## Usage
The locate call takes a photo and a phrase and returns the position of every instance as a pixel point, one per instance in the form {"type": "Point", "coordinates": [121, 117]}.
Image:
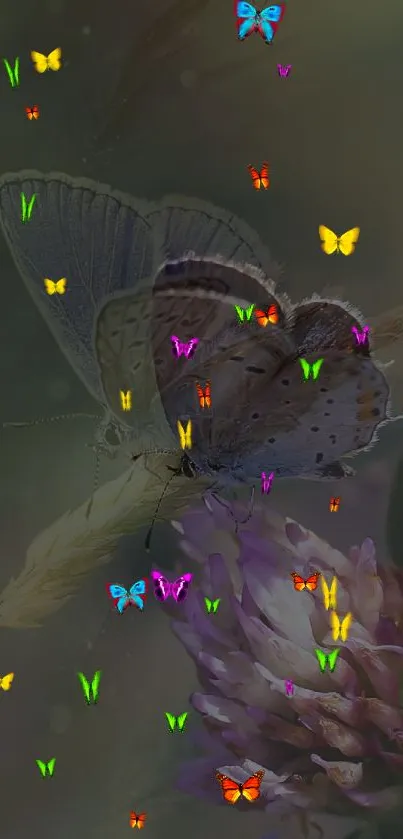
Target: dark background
{"type": "Point", "coordinates": [156, 98]}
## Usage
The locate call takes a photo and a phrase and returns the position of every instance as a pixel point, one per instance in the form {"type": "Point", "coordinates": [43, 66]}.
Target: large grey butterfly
{"type": "Point", "coordinates": [130, 288]}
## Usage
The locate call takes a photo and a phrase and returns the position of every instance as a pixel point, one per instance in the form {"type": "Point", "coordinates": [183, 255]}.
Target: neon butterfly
{"type": "Point", "coordinates": [244, 313]}
{"type": "Point", "coordinates": [284, 70]}
{"type": "Point", "coordinates": [329, 594]}
{"type": "Point", "coordinates": [32, 113]}
{"type": "Point", "coordinates": [340, 628]}
{"type": "Point", "coordinates": [6, 681]}
{"type": "Point", "coordinates": [310, 583]}
{"type": "Point", "coordinates": [327, 658]}
{"type": "Point", "coordinates": [232, 790]}
{"type": "Point", "coordinates": [27, 206]}
{"type": "Point", "coordinates": [249, 19]}
{"type": "Point", "coordinates": [185, 348]}
{"type": "Point", "coordinates": [90, 688]}
{"type": "Point", "coordinates": [212, 605]}
{"type": "Point", "coordinates": [46, 769]}
{"type": "Point", "coordinates": [270, 316]}
{"type": "Point", "coordinates": [125, 400]}
{"type": "Point", "coordinates": [13, 72]}
{"type": "Point", "coordinates": [204, 395]}
{"type": "Point", "coordinates": [289, 687]}
{"type": "Point", "coordinates": [137, 819]}
{"type": "Point", "coordinates": [163, 588]}
{"type": "Point", "coordinates": [174, 722]}
{"type": "Point", "coordinates": [266, 482]}
{"type": "Point", "coordinates": [332, 243]}
{"type": "Point", "coordinates": [47, 62]}
{"type": "Point", "coordinates": [135, 596]}
{"type": "Point", "coordinates": [260, 180]}
{"type": "Point", "coordinates": [334, 504]}
{"type": "Point", "coordinates": [361, 337]}
{"type": "Point", "coordinates": [58, 287]}
{"type": "Point", "coordinates": [311, 369]}
{"type": "Point", "coordinates": [185, 436]}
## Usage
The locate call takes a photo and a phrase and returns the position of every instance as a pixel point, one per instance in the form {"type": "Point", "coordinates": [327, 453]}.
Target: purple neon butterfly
{"type": "Point", "coordinates": [362, 337]}
{"type": "Point", "coordinates": [267, 481]}
{"type": "Point", "coordinates": [185, 348]}
{"type": "Point", "coordinates": [284, 69]}
{"type": "Point", "coordinates": [163, 588]}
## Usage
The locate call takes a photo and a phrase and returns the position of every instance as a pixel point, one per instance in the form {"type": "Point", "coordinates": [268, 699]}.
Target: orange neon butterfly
{"type": "Point", "coordinates": [260, 179]}
{"type": "Point", "coordinates": [137, 820]}
{"type": "Point", "coordinates": [32, 113]}
{"type": "Point", "coordinates": [270, 316]}
{"type": "Point", "coordinates": [204, 395]}
{"type": "Point", "coordinates": [310, 583]}
{"type": "Point", "coordinates": [334, 504]}
{"type": "Point", "coordinates": [231, 790]}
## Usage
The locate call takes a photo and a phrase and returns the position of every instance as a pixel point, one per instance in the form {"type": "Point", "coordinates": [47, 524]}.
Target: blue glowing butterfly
{"type": "Point", "coordinates": [134, 597]}
{"type": "Point", "coordinates": [251, 20]}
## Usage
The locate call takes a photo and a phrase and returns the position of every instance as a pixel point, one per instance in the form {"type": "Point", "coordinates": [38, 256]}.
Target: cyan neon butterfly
{"type": "Point", "coordinates": [251, 20]}
{"type": "Point", "coordinates": [134, 597]}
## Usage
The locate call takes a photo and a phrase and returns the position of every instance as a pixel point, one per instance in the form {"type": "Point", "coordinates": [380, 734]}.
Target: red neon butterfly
{"type": "Point", "coordinates": [270, 316]}
{"type": "Point", "coordinates": [137, 820]}
{"type": "Point", "coordinates": [232, 790]}
{"type": "Point", "coordinates": [32, 113]}
{"type": "Point", "coordinates": [260, 179]}
{"type": "Point", "coordinates": [334, 504]}
{"type": "Point", "coordinates": [311, 583]}
{"type": "Point", "coordinates": [204, 395]}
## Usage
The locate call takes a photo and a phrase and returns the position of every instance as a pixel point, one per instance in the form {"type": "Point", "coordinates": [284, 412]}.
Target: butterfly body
{"type": "Point", "coordinates": [265, 22]}
{"type": "Point", "coordinates": [135, 596]}
{"type": "Point", "coordinates": [47, 62]}
{"type": "Point", "coordinates": [332, 243]}
{"type": "Point", "coordinates": [232, 790]}
{"type": "Point", "coordinates": [163, 588]}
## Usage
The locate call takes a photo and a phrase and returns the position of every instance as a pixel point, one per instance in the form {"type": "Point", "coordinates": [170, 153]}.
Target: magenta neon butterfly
{"type": "Point", "coordinates": [163, 588]}
{"type": "Point", "coordinates": [185, 348]}
{"type": "Point", "coordinates": [284, 69]}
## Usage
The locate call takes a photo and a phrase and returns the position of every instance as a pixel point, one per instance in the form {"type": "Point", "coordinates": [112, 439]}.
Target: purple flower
{"type": "Point", "coordinates": [336, 743]}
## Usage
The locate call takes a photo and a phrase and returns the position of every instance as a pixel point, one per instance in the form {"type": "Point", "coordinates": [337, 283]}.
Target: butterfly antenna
{"type": "Point", "coordinates": [43, 420]}
{"type": "Point", "coordinates": [97, 468]}
{"type": "Point", "coordinates": [150, 532]}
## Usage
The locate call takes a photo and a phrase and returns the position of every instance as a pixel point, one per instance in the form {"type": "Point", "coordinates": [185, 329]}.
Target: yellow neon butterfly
{"type": "Point", "coordinates": [59, 287]}
{"type": "Point", "coordinates": [47, 62]}
{"type": "Point", "coordinates": [340, 629]}
{"type": "Point", "coordinates": [329, 594]}
{"type": "Point", "coordinates": [126, 400]}
{"type": "Point", "coordinates": [344, 244]}
{"type": "Point", "coordinates": [6, 681]}
{"type": "Point", "coordinates": [185, 437]}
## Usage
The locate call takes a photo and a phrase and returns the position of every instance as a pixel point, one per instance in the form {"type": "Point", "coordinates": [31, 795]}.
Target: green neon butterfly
{"type": "Point", "coordinates": [212, 605]}
{"type": "Point", "coordinates": [26, 208]}
{"type": "Point", "coordinates": [176, 721]}
{"type": "Point", "coordinates": [244, 312]}
{"type": "Point", "coordinates": [309, 369]}
{"type": "Point", "coordinates": [46, 769]}
{"type": "Point", "coordinates": [90, 689]}
{"type": "Point", "coordinates": [327, 658]}
{"type": "Point", "coordinates": [13, 72]}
